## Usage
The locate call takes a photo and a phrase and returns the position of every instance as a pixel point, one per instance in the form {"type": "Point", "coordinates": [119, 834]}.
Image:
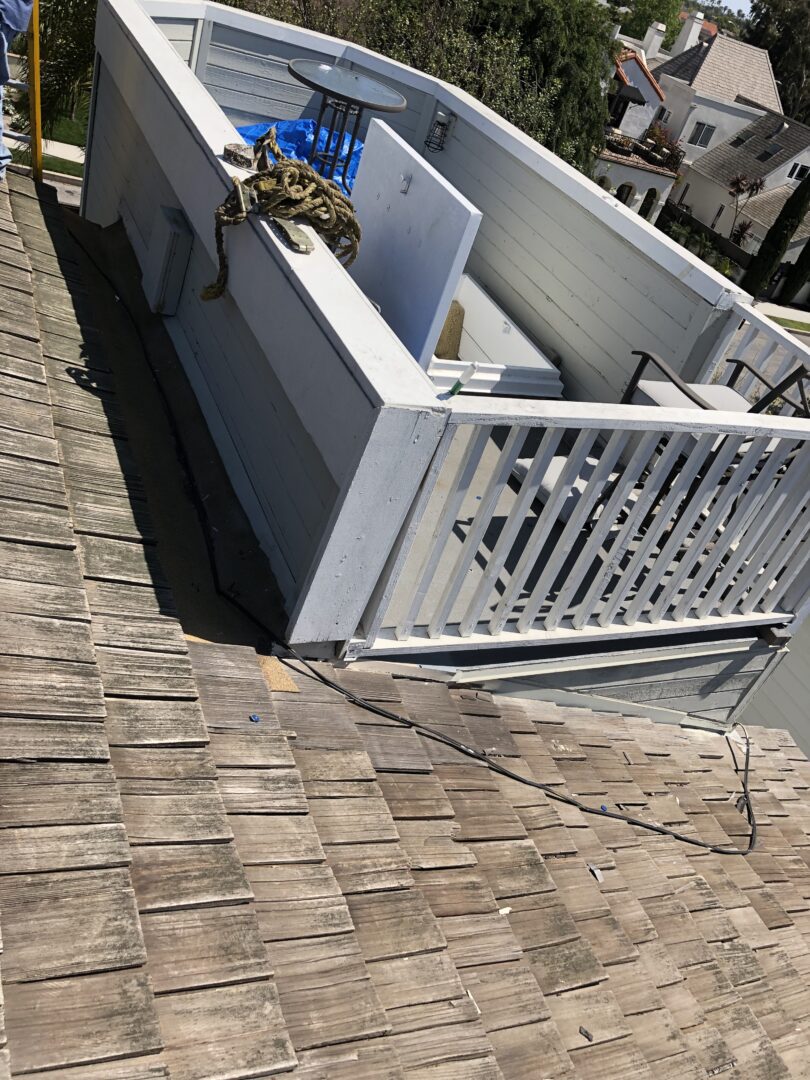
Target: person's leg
{"type": "Point", "coordinates": [5, 153]}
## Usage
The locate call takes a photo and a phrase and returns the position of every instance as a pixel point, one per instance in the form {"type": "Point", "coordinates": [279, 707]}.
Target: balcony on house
{"type": "Point", "coordinates": [530, 510]}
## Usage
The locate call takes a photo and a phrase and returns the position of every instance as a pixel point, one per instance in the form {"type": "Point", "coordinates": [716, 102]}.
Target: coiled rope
{"type": "Point", "coordinates": [286, 189]}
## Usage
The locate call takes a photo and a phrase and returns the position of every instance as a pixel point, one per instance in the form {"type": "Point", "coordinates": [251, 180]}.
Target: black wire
{"type": "Point", "coordinates": [743, 802]}
{"type": "Point", "coordinates": [495, 765]}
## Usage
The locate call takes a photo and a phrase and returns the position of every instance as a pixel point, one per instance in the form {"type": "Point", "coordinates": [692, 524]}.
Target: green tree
{"type": "Point", "coordinates": [67, 50]}
{"type": "Point", "coordinates": [766, 261]}
{"type": "Point", "coordinates": [783, 28]}
{"type": "Point", "coordinates": [645, 12]}
{"type": "Point", "coordinates": [542, 65]}
{"type": "Point", "coordinates": [798, 275]}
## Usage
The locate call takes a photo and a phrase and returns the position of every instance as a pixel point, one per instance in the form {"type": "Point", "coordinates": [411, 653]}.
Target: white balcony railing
{"type": "Point", "coordinates": [561, 520]}
{"type": "Point", "coordinates": [767, 348]}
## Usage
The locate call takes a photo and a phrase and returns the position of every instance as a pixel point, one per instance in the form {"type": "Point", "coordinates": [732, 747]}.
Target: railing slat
{"type": "Point", "coordinates": [678, 487]}
{"type": "Point", "coordinates": [782, 498]}
{"type": "Point", "coordinates": [381, 597]}
{"type": "Point", "coordinates": [512, 525]}
{"type": "Point", "coordinates": [645, 501]}
{"type": "Point", "coordinates": [447, 519]}
{"type": "Point", "coordinates": [480, 524]}
{"type": "Point", "coordinates": [684, 522]}
{"type": "Point", "coordinates": [777, 563]}
{"type": "Point", "coordinates": [771, 490]}
{"type": "Point", "coordinates": [542, 528]}
{"type": "Point", "coordinates": [709, 528]}
{"type": "Point", "coordinates": [573, 528]}
{"type": "Point", "coordinates": [590, 553]}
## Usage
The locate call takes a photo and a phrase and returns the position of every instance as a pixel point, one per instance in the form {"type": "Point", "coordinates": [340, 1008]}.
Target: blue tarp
{"type": "Point", "coordinates": [295, 141]}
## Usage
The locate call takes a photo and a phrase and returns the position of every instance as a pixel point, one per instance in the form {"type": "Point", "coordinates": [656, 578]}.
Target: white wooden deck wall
{"type": "Point", "coordinates": [314, 403]}
{"type": "Point", "coordinates": [326, 424]}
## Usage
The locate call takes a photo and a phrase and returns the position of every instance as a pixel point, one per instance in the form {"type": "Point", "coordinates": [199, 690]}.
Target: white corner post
{"type": "Point", "coordinates": [365, 524]}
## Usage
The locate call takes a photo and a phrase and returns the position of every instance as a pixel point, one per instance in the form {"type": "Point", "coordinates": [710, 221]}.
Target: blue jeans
{"type": "Point", "coordinates": [6, 35]}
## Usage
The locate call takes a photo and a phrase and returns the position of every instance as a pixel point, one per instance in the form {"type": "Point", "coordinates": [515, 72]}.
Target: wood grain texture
{"type": "Point", "coordinates": [56, 925]}
{"type": "Point", "coordinates": [225, 1031]}
{"type": "Point", "coordinates": [63, 1022]}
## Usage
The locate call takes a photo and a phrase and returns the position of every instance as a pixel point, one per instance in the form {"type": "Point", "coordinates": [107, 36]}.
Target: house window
{"type": "Point", "coordinates": [702, 134]}
{"type": "Point", "coordinates": [743, 137]}
{"type": "Point", "coordinates": [771, 150]}
{"type": "Point", "coordinates": [683, 194]}
{"type": "Point", "coordinates": [664, 115]}
{"type": "Point", "coordinates": [798, 172]}
{"type": "Point", "coordinates": [717, 216]}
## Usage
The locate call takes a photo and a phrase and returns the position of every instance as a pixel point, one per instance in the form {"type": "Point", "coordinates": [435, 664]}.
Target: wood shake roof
{"type": "Point", "coordinates": [203, 877]}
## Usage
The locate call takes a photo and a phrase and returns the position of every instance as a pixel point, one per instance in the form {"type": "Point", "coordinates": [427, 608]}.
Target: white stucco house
{"type": "Point", "coordinates": [640, 174]}
{"type": "Point", "coordinates": [713, 90]}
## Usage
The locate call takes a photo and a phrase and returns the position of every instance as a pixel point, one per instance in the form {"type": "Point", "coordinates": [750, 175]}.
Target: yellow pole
{"type": "Point", "coordinates": [34, 104]}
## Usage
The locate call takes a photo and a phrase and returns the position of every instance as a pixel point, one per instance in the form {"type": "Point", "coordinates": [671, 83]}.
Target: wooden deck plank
{"type": "Point", "coordinates": [61, 924]}
{"type": "Point", "coordinates": [62, 1022]}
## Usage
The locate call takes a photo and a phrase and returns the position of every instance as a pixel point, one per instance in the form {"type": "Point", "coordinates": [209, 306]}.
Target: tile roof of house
{"type": "Point", "coordinates": [765, 208]}
{"type": "Point", "coordinates": [725, 68]}
{"type": "Point", "coordinates": [747, 153]}
{"type": "Point", "coordinates": [207, 872]}
{"type": "Point", "coordinates": [635, 162]}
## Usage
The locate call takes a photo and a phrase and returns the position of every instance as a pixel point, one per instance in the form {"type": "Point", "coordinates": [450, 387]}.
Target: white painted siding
{"type": "Point", "coordinates": [246, 74]}
{"type": "Point", "coordinates": [182, 33]}
{"type": "Point", "coordinates": [782, 700]}
{"type": "Point", "coordinates": [569, 280]}
{"type": "Point", "coordinates": [710, 686]}
{"type": "Point", "coordinates": [318, 412]}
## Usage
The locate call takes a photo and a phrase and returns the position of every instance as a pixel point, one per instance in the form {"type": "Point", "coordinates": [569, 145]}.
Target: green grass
{"type": "Point", "coordinates": [793, 324]}
{"type": "Point", "coordinates": [69, 131]}
{"type": "Point", "coordinates": [51, 164]}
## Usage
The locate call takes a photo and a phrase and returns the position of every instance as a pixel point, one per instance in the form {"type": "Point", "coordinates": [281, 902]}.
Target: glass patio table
{"type": "Point", "coordinates": [345, 96]}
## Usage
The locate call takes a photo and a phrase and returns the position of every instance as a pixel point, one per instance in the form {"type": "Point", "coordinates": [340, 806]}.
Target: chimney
{"type": "Point", "coordinates": [690, 33]}
{"type": "Point", "coordinates": [653, 39]}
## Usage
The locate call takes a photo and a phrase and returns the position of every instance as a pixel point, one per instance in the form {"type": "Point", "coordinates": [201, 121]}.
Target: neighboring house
{"type": "Point", "coordinates": [634, 171]}
{"type": "Point", "coordinates": [772, 150]}
{"type": "Point", "coordinates": [714, 90]}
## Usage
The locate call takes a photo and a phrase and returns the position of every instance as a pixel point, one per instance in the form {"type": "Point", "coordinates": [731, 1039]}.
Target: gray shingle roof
{"type": "Point", "coordinates": [744, 154]}
{"type": "Point", "coordinates": [726, 68]}
{"type": "Point", "coordinates": [764, 209]}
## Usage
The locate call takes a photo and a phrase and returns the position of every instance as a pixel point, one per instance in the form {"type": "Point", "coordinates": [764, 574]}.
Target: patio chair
{"type": "Point", "coordinates": [677, 394]}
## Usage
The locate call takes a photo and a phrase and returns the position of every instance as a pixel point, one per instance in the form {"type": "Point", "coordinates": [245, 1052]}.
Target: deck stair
{"type": "Point", "coordinates": [223, 877]}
